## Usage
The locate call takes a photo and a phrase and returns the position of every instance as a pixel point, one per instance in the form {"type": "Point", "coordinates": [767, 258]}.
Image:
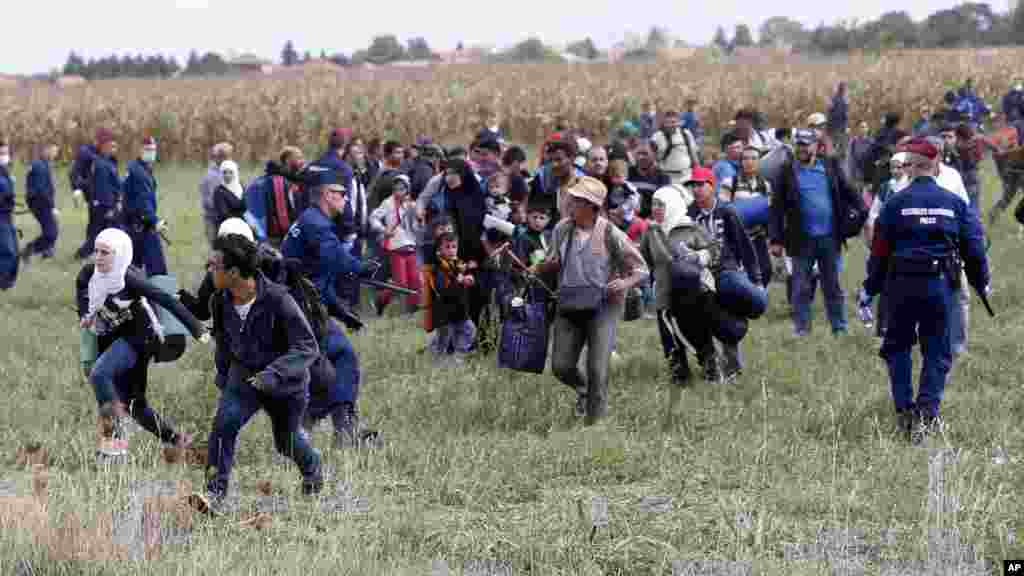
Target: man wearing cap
{"type": "Point", "coordinates": [139, 215]}
{"type": "Point", "coordinates": [737, 270]}
{"type": "Point", "coordinates": [597, 266]}
{"type": "Point", "coordinates": [353, 223]}
{"type": "Point", "coordinates": [812, 197]}
{"type": "Point", "coordinates": [313, 240]}
{"type": "Point", "coordinates": [220, 152]}
{"type": "Point", "coordinates": [914, 258]}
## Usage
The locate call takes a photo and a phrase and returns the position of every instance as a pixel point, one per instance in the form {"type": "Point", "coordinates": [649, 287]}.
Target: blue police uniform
{"type": "Point", "coordinates": [106, 195]}
{"type": "Point", "coordinates": [80, 176]}
{"type": "Point", "coordinates": [39, 197]}
{"type": "Point", "coordinates": [312, 239]}
{"type": "Point", "coordinates": [349, 221]}
{"type": "Point", "coordinates": [140, 218]}
{"type": "Point", "coordinates": [918, 232]}
{"type": "Point", "coordinates": [8, 233]}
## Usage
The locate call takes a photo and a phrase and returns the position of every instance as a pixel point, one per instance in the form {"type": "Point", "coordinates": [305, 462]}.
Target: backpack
{"type": "Point", "coordinates": [280, 213]}
{"type": "Point", "coordinates": [671, 146]}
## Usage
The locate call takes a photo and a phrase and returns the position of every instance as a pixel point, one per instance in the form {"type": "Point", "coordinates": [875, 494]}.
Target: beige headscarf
{"type": "Point", "coordinates": [103, 285]}
{"type": "Point", "coordinates": [236, 184]}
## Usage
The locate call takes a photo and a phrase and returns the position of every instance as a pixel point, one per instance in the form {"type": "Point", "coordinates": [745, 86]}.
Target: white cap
{"type": "Point", "coordinates": [583, 145]}
{"type": "Point", "coordinates": [816, 119]}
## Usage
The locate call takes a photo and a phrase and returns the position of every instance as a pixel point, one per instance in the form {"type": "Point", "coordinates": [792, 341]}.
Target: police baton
{"type": "Point", "coordinates": [984, 300]}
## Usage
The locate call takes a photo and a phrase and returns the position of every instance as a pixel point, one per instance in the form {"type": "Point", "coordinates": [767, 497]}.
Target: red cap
{"type": "Point", "coordinates": [701, 174]}
{"type": "Point", "coordinates": [148, 142]}
{"type": "Point", "coordinates": [921, 147]}
{"type": "Point", "coordinates": [104, 135]}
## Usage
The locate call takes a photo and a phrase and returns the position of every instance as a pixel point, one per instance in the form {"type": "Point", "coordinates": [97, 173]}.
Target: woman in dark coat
{"type": "Point", "coordinates": [115, 303]}
{"type": "Point", "coordinates": [228, 200]}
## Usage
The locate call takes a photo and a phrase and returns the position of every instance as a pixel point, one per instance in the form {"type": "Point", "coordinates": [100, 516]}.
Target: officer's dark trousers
{"type": "Point", "coordinates": [47, 239]}
{"type": "Point", "coordinates": [8, 252]}
{"type": "Point", "coordinates": [920, 304]}
{"type": "Point", "coordinates": [147, 251]}
{"type": "Point", "coordinates": [240, 402]}
{"type": "Point", "coordinates": [345, 388]}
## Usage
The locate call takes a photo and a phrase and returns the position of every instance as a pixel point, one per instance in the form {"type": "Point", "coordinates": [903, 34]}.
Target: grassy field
{"type": "Point", "coordinates": [794, 469]}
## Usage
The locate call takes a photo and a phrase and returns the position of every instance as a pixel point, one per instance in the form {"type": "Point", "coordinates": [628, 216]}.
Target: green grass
{"type": "Point", "coordinates": [482, 464]}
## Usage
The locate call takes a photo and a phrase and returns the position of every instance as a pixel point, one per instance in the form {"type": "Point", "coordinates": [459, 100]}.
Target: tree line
{"type": "Point", "coordinates": [966, 25]}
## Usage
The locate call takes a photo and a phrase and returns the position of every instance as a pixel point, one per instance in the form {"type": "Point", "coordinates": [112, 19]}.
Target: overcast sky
{"type": "Point", "coordinates": [40, 33]}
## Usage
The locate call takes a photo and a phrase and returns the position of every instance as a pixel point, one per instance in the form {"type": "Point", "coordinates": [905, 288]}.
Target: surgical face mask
{"type": "Point", "coordinates": [149, 155]}
{"type": "Point", "coordinates": [5, 159]}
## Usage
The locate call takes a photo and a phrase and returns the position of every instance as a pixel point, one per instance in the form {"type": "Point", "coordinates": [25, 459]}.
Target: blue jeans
{"type": "Point", "coordinates": [238, 404]}
{"type": "Point", "coordinates": [824, 251]}
{"type": "Point", "coordinates": [457, 336]}
{"type": "Point", "coordinates": [737, 294]}
{"type": "Point", "coordinates": [120, 375]}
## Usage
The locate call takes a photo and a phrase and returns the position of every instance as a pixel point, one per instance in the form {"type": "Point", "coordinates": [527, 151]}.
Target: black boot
{"type": "Point", "coordinates": [679, 367]}
{"type": "Point", "coordinates": [709, 362]}
{"type": "Point", "coordinates": [907, 422]}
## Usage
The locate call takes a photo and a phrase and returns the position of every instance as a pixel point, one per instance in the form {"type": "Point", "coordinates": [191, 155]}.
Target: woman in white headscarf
{"type": "Point", "coordinates": [228, 197]}
{"type": "Point", "coordinates": [114, 302]}
{"type": "Point", "coordinates": [675, 237]}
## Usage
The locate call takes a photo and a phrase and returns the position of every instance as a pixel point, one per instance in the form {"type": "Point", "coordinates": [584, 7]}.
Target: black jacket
{"type": "Point", "coordinates": [275, 342]}
{"type": "Point", "coordinates": [735, 246]}
{"type": "Point", "coordinates": [132, 322]}
{"type": "Point", "coordinates": [786, 226]}
{"type": "Point", "coordinates": [226, 204]}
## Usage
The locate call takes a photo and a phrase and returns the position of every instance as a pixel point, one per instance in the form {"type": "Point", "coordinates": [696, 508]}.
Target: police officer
{"type": "Point", "coordinates": [8, 233]}
{"type": "Point", "coordinates": [140, 219]}
{"type": "Point", "coordinates": [920, 237]}
{"type": "Point", "coordinates": [313, 240]}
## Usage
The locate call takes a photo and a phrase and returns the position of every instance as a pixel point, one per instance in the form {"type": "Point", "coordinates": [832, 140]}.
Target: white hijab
{"type": "Point", "coordinates": [235, 226]}
{"type": "Point", "coordinates": [676, 201]}
{"type": "Point", "coordinates": [103, 285]}
{"type": "Point", "coordinates": [236, 185]}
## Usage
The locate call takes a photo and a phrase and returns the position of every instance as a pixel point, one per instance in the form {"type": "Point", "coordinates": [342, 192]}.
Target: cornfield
{"type": "Point", "coordinates": [262, 114]}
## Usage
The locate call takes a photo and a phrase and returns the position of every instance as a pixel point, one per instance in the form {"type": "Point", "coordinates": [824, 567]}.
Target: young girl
{"type": "Point", "coordinates": [395, 221]}
{"type": "Point", "coordinates": [450, 285]}
{"type": "Point", "coordinates": [114, 303]}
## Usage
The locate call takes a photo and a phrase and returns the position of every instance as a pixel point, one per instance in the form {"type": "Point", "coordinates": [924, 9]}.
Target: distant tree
{"type": "Point", "coordinates": [418, 49]}
{"type": "Point", "coordinates": [584, 49]}
{"type": "Point", "coordinates": [385, 49]}
{"type": "Point", "coordinates": [530, 50]}
{"type": "Point", "coordinates": [289, 56]}
{"type": "Point", "coordinates": [657, 39]}
{"type": "Point", "coordinates": [74, 66]}
{"type": "Point", "coordinates": [1016, 28]}
{"type": "Point", "coordinates": [458, 47]}
{"type": "Point", "coordinates": [359, 57]}
{"type": "Point", "coordinates": [720, 39]}
{"type": "Point", "coordinates": [742, 37]}
{"type": "Point", "coordinates": [192, 64]}
{"type": "Point", "coordinates": [340, 59]}
{"type": "Point", "coordinates": [781, 30]}
{"type": "Point", "coordinates": [323, 55]}
{"type": "Point", "coordinates": [306, 56]}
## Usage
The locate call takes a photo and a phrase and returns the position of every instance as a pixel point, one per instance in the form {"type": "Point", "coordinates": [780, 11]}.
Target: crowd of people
{"type": "Point", "coordinates": [654, 224]}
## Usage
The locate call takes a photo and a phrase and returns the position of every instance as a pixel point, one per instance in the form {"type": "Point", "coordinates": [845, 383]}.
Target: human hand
{"type": "Point", "coordinates": [161, 226]}
{"type": "Point", "coordinates": [618, 286]}
{"type": "Point", "coordinates": [258, 383]}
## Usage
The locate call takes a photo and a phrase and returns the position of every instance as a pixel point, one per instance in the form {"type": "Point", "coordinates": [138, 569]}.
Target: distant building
{"type": "Point", "coordinates": [252, 63]}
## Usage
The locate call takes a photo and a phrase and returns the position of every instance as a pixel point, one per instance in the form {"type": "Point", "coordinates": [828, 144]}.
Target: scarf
{"type": "Point", "coordinates": [236, 184]}
{"type": "Point", "coordinates": [676, 201]}
{"type": "Point", "coordinates": [103, 285]}
{"type": "Point", "coordinates": [235, 226]}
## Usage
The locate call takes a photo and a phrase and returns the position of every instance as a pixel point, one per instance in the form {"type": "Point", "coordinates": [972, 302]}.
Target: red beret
{"type": "Point", "coordinates": [921, 147]}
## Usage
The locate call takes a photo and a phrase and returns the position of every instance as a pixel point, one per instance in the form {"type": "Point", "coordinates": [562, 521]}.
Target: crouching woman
{"type": "Point", "coordinates": [597, 265]}
{"type": "Point", "coordinates": [115, 302]}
